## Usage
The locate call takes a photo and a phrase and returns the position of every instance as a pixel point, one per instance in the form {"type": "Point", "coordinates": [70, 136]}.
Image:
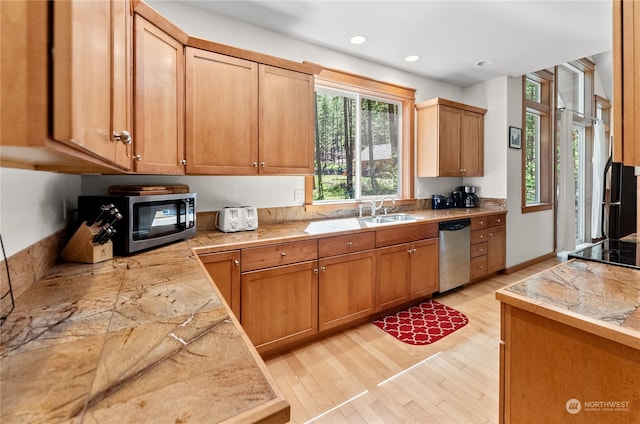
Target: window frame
{"type": "Point", "coordinates": [544, 109]}
{"type": "Point", "coordinates": [365, 86]}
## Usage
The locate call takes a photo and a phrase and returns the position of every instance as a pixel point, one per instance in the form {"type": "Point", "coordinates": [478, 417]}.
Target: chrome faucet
{"type": "Point", "coordinates": [376, 206]}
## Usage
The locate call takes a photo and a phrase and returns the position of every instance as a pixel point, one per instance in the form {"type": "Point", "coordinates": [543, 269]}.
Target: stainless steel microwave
{"type": "Point", "coordinates": [147, 221]}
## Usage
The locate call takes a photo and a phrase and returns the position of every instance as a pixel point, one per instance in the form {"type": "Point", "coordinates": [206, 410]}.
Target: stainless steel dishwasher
{"type": "Point", "coordinates": [455, 253]}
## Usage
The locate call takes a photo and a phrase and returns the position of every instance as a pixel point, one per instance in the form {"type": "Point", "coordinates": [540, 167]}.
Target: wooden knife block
{"type": "Point", "coordinates": [81, 247]}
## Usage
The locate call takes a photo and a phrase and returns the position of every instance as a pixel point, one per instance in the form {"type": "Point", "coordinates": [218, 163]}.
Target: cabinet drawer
{"type": "Point", "coordinates": [478, 222]}
{"type": "Point", "coordinates": [339, 245]}
{"type": "Point", "coordinates": [278, 254]}
{"type": "Point", "coordinates": [479, 236]}
{"type": "Point", "coordinates": [478, 267]}
{"type": "Point", "coordinates": [406, 233]}
{"type": "Point", "coordinates": [497, 220]}
{"type": "Point", "coordinates": [479, 249]}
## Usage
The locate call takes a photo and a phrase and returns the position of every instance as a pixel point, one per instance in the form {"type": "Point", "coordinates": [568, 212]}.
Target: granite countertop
{"type": "Point", "coordinates": [145, 337]}
{"type": "Point", "coordinates": [599, 298]}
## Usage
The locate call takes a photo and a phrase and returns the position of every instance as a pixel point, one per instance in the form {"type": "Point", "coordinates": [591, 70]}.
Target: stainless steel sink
{"type": "Point", "coordinates": [374, 221]}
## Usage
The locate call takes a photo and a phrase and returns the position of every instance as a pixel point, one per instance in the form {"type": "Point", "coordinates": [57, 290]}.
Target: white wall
{"type": "Point", "coordinates": [31, 205]}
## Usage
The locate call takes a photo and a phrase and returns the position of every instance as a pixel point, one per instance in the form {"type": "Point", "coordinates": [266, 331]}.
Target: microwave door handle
{"type": "Point", "coordinates": [185, 205]}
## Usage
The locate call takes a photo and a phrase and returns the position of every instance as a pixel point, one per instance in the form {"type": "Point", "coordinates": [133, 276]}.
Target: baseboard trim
{"type": "Point", "coordinates": [528, 263]}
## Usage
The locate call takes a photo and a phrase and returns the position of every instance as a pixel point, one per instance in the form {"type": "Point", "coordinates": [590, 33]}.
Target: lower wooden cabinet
{"type": "Point", "coordinates": [346, 288]}
{"type": "Point", "coordinates": [405, 272]}
{"type": "Point", "coordinates": [224, 269]}
{"type": "Point", "coordinates": [280, 305]}
{"type": "Point", "coordinates": [488, 245]}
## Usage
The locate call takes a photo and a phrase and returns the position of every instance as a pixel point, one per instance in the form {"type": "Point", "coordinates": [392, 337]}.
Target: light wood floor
{"type": "Point", "coordinates": [364, 375]}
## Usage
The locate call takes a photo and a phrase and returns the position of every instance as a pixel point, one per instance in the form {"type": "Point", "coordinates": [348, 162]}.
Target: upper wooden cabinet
{"type": "Point", "coordinates": [450, 141]}
{"type": "Point", "coordinates": [221, 114]}
{"type": "Point", "coordinates": [158, 101]}
{"type": "Point", "coordinates": [246, 118]}
{"type": "Point", "coordinates": [286, 121]}
{"type": "Point", "coordinates": [61, 105]}
{"type": "Point", "coordinates": [626, 81]}
{"type": "Point", "coordinates": [91, 84]}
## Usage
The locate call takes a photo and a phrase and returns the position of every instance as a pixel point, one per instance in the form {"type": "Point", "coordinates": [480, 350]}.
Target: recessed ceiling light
{"type": "Point", "coordinates": [412, 58]}
{"type": "Point", "coordinates": [484, 62]}
{"type": "Point", "coordinates": [358, 39]}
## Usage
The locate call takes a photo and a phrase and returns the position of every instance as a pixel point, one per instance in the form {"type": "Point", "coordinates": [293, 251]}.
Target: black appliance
{"type": "Point", "coordinates": [619, 203]}
{"type": "Point", "coordinates": [616, 252]}
{"type": "Point", "coordinates": [438, 201]}
{"type": "Point", "coordinates": [458, 197]}
{"type": "Point", "coordinates": [470, 198]}
{"type": "Point", "coordinates": [147, 221]}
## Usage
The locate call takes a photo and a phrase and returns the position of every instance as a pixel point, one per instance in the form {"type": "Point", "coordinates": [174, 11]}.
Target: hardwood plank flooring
{"type": "Point", "coordinates": [364, 375]}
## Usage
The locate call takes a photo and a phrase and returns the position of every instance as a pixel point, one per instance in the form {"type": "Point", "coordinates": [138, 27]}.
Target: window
{"type": "Point", "coordinates": [357, 153]}
{"type": "Point", "coordinates": [537, 152]}
{"type": "Point", "coordinates": [364, 140]}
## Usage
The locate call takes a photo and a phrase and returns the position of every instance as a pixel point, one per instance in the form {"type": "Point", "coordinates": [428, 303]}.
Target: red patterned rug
{"type": "Point", "coordinates": [423, 324]}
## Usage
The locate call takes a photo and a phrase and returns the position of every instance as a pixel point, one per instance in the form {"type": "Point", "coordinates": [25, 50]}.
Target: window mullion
{"type": "Point", "coordinates": [358, 148]}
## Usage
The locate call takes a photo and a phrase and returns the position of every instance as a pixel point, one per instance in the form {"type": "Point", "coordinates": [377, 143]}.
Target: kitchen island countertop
{"type": "Point", "coordinates": [599, 298]}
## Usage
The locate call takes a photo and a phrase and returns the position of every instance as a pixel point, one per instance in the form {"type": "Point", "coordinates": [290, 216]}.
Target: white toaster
{"type": "Point", "coordinates": [242, 218]}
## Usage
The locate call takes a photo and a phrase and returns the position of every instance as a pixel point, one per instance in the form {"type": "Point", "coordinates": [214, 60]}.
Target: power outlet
{"type": "Point", "coordinates": [298, 195]}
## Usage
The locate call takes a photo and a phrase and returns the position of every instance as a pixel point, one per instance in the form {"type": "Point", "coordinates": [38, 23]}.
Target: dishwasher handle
{"type": "Point", "coordinates": [457, 225]}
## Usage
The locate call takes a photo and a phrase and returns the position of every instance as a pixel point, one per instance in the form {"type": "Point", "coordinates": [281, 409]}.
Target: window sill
{"type": "Point", "coordinates": [537, 207]}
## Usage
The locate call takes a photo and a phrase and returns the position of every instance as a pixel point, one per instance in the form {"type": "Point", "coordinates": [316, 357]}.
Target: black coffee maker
{"type": "Point", "coordinates": [470, 198]}
{"type": "Point", "coordinates": [458, 197]}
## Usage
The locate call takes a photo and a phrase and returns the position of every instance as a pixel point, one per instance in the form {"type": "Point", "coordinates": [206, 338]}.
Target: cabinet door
{"type": "Point", "coordinates": [346, 288]}
{"type": "Point", "coordinates": [471, 144]}
{"type": "Point", "coordinates": [89, 67]}
{"type": "Point", "coordinates": [224, 269]}
{"type": "Point", "coordinates": [280, 305]}
{"type": "Point", "coordinates": [425, 275]}
{"type": "Point", "coordinates": [286, 121]}
{"type": "Point", "coordinates": [158, 101]}
{"type": "Point", "coordinates": [221, 114]}
{"type": "Point", "coordinates": [392, 276]}
{"type": "Point", "coordinates": [496, 247]}
{"type": "Point", "coordinates": [449, 141]}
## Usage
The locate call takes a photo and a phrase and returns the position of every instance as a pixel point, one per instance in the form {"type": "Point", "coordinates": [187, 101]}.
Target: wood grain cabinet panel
{"type": "Point", "coordinates": [224, 270]}
{"type": "Point", "coordinates": [286, 121]}
{"type": "Point", "coordinates": [450, 139]}
{"type": "Point", "coordinates": [346, 288]}
{"type": "Point", "coordinates": [496, 249]}
{"type": "Point", "coordinates": [626, 81]}
{"type": "Point", "coordinates": [278, 254]}
{"type": "Point", "coordinates": [340, 245]}
{"type": "Point", "coordinates": [221, 115]}
{"type": "Point", "coordinates": [424, 268]}
{"type": "Point", "coordinates": [91, 76]}
{"type": "Point", "coordinates": [158, 101]}
{"type": "Point", "coordinates": [280, 305]}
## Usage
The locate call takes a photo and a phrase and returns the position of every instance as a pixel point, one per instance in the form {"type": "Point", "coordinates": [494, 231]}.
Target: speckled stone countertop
{"type": "Point", "coordinates": [145, 338]}
{"type": "Point", "coordinates": [599, 298]}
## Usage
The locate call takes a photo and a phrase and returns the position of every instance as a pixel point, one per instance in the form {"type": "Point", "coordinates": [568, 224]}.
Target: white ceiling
{"type": "Point", "coordinates": [450, 37]}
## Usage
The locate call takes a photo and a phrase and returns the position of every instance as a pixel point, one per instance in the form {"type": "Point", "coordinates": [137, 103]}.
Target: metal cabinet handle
{"type": "Point", "coordinates": [236, 262]}
{"type": "Point", "coordinates": [349, 243]}
{"type": "Point", "coordinates": [323, 269]}
{"type": "Point", "coordinates": [283, 254]}
{"type": "Point", "coordinates": [315, 270]}
{"type": "Point", "coordinates": [137, 157]}
{"type": "Point", "coordinates": [262, 164]}
{"type": "Point", "coordinates": [122, 136]}
{"type": "Point", "coordinates": [182, 162]}
{"type": "Point", "coordinates": [481, 222]}
{"type": "Point", "coordinates": [254, 164]}
{"type": "Point", "coordinates": [481, 267]}
{"type": "Point", "coordinates": [481, 236]}
{"type": "Point", "coordinates": [481, 250]}
{"type": "Point", "coordinates": [490, 234]}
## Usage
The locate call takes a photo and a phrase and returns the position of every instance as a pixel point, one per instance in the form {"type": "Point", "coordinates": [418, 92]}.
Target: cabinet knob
{"type": "Point", "coordinates": [481, 236]}
{"type": "Point", "coordinates": [137, 157]}
{"type": "Point", "coordinates": [262, 164]}
{"type": "Point", "coordinates": [499, 220]}
{"type": "Point", "coordinates": [315, 270]}
{"type": "Point", "coordinates": [122, 136]}
{"type": "Point", "coordinates": [254, 164]}
{"type": "Point", "coordinates": [236, 262]}
{"type": "Point", "coordinates": [481, 222]}
{"type": "Point", "coordinates": [349, 243]}
{"type": "Point", "coordinates": [283, 254]}
{"type": "Point", "coordinates": [182, 162]}
{"type": "Point", "coordinates": [481, 250]}
{"type": "Point", "coordinates": [323, 269]}
{"type": "Point", "coordinates": [490, 234]}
